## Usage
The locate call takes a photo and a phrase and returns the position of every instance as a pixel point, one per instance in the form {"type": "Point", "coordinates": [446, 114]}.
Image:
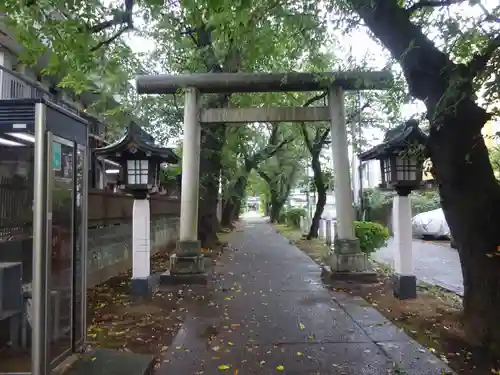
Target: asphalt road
{"type": "Point", "coordinates": [436, 264]}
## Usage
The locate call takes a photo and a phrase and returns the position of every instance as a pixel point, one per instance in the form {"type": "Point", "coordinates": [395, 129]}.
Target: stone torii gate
{"type": "Point", "coordinates": [188, 259]}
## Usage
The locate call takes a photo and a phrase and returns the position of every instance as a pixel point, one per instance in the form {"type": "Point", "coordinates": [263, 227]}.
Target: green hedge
{"type": "Point", "coordinates": [371, 236]}
{"type": "Point", "coordinates": [292, 217]}
{"type": "Point", "coordinates": [378, 204]}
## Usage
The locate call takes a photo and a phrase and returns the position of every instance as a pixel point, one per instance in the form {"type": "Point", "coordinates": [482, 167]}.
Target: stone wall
{"type": "Point", "coordinates": [110, 247]}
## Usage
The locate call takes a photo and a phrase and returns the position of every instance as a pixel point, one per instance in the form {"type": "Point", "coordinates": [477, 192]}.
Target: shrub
{"type": "Point", "coordinates": [282, 217]}
{"type": "Point", "coordinates": [372, 236]}
{"type": "Point", "coordinates": [423, 201]}
{"type": "Point", "coordinates": [378, 204]}
{"type": "Point", "coordinates": [293, 215]}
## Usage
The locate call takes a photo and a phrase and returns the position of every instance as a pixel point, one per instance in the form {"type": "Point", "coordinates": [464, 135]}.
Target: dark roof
{"type": "Point", "coordinates": [396, 139]}
{"type": "Point", "coordinates": [142, 140]}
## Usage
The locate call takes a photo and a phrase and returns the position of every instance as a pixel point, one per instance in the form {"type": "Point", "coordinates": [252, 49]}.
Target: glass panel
{"type": "Point", "coordinates": [16, 245]}
{"type": "Point", "coordinates": [130, 164]}
{"type": "Point", "coordinates": [144, 164]}
{"type": "Point", "coordinates": [131, 178]}
{"type": "Point", "coordinates": [79, 231]}
{"type": "Point", "coordinates": [61, 261]}
{"type": "Point", "coordinates": [144, 179]}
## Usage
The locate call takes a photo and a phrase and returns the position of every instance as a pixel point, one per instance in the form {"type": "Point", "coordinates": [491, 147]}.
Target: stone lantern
{"type": "Point", "coordinates": [401, 158]}
{"type": "Point", "coordinates": [140, 161]}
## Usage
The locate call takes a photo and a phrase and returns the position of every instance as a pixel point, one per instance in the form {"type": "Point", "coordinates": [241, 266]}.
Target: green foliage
{"type": "Point", "coordinates": [378, 204]}
{"type": "Point", "coordinates": [495, 161]}
{"type": "Point", "coordinates": [171, 173]}
{"type": "Point", "coordinates": [372, 236]}
{"type": "Point", "coordinates": [423, 201]}
{"type": "Point", "coordinates": [282, 217]}
{"type": "Point", "coordinates": [293, 215]}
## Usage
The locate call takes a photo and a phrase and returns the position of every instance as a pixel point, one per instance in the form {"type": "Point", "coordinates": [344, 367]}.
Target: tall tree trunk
{"type": "Point", "coordinates": [267, 207]}
{"type": "Point", "coordinates": [276, 207]}
{"type": "Point", "coordinates": [212, 138]}
{"type": "Point", "coordinates": [227, 214]}
{"type": "Point", "coordinates": [237, 209]}
{"type": "Point", "coordinates": [321, 195]}
{"type": "Point", "coordinates": [470, 198]}
{"type": "Point", "coordinates": [232, 206]}
{"type": "Point", "coordinates": [469, 193]}
{"type": "Point", "coordinates": [212, 141]}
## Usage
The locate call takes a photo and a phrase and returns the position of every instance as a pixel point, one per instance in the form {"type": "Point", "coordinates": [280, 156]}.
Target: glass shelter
{"type": "Point", "coordinates": [43, 239]}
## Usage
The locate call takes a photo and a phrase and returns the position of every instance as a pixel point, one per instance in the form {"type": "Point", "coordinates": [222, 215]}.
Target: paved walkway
{"type": "Point", "coordinates": [435, 264]}
{"type": "Point", "coordinates": [270, 314]}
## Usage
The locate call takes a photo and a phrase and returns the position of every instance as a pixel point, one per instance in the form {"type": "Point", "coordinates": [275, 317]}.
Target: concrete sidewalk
{"type": "Point", "coordinates": [269, 314]}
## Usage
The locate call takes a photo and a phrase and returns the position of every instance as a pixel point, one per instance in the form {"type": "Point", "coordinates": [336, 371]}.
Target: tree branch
{"type": "Point", "coordinates": [264, 176]}
{"type": "Point", "coordinates": [303, 127]}
{"type": "Point", "coordinates": [267, 152]}
{"type": "Point", "coordinates": [479, 61]}
{"type": "Point", "coordinates": [109, 40]}
{"type": "Point", "coordinates": [320, 139]}
{"type": "Point", "coordinates": [431, 4]}
{"type": "Point", "coordinates": [120, 17]}
{"type": "Point", "coordinates": [202, 38]}
{"type": "Point", "coordinates": [305, 134]}
{"type": "Point", "coordinates": [314, 99]}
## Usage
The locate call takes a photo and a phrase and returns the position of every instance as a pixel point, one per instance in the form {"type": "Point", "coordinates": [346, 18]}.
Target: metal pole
{"type": "Point", "coordinates": [38, 328]}
{"type": "Point", "coordinates": [84, 231]}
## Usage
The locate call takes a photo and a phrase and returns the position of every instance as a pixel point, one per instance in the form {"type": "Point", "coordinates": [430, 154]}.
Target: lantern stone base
{"type": "Point", "coordinates": [187, 265]}
{"type": "Point", "coordinates": [182, 265]}
{"type": "Point", "coordinates": [355, 262]}
{"type": "Point", "coordinates": [343, 246]}
{"type": "Point", "coordinates": [347, 258]}
{"type": "Point", "coordinates": [405, 286]}
{"type": "Point", "coordinates": [144, 287]}
{"type": "Point", "coordinates": [167, 278]}
{"type": "Point", "coordinates": [188, 248]}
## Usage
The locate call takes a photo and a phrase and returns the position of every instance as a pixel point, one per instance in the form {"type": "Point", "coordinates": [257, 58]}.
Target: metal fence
{"type": "Point", "coordinates": [16, 213]}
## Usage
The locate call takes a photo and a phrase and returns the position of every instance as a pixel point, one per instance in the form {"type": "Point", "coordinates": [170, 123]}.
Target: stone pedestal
{"type": "Point", "coordinates": [144, 287]}
{"type": "Point", "coordinates": [347, 257]}
{"type": "Point", "coordinates": [187, 265]}
{"type": "Point", "coordinates": [347, 262]}
{"type": "Point", "coordinates": [405, 286]}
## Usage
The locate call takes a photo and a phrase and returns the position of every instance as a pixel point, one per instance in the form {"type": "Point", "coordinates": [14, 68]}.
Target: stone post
{"type": "Point", "coordinates": [187, 259]}
{"type": "Point", "coordinates": [347, 256]}
{"type": "Point", "coordinates": [141, 284]}
{"type": "Point", "coordinates": [405, 282]}
{"type": "Point", "coordinates": [328, 232]}
{"type": "Point", "coordinates": [190, 168]}
{"type": "Point", "coordinates": [321, 229]}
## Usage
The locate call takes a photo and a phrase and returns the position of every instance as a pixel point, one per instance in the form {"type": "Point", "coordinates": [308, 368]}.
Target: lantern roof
{"type": "Point", "coordinates": [137, 138]}
{"type": "Point", "coordinates": [399, 138]}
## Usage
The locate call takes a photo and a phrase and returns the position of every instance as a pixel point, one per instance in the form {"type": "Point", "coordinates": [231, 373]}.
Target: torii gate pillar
{"type": "Point", "coordinates": [187, 260]}
{"type": "Point", "coordinates": [346, 255]}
